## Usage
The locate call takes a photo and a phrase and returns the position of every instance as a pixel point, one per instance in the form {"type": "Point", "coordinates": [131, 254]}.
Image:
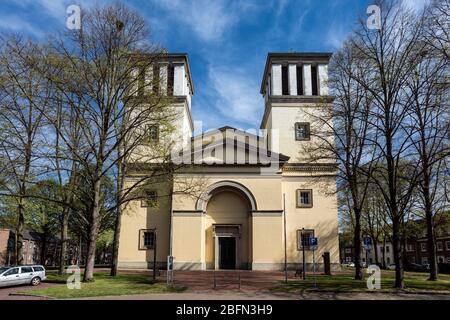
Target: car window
{"type": "Point", "coordinates": [26, 269]}
{"type": "Point", "coordinates": [11, 272]}
{"type": "Point", "coordinates": [38, 269]}
{"type": "Point", "coordinates": [3, 270]}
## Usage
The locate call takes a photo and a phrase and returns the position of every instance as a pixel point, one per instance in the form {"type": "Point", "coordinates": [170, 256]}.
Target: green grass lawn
{"type": "Point", "coordinates": [344, 282]}
{"type": "Point", "coordinates": [104, 285]}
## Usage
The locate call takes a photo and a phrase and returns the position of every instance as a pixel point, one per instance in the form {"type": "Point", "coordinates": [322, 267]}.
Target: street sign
{"type": "Point", "coordinates": [367, 243]}
{"type": "Point", "coordinates": [313, 243]}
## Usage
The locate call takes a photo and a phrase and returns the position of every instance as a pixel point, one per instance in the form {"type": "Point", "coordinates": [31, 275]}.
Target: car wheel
{"type": "Point", "coordinates": [36, 281]}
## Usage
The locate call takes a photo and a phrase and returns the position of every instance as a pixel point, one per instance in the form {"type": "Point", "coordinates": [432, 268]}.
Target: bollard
{"type": "Point", "coordinates": [239, 275]}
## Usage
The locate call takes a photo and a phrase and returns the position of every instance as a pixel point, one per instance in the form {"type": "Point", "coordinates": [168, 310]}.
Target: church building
{"type": "Point", "coordinates": [257, 194]}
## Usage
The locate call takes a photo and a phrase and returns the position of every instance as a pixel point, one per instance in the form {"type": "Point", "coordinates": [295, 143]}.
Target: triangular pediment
{"type": "Point", "coordinates": [230, 146]}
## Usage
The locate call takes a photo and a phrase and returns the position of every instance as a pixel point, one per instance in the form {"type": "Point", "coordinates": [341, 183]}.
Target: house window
{"type": "Point", "coordinates": [441, 259]}
{"type": "Point", "coordinates": [151, 199]}
{"type": "Point", "coordinates": [423, 247]}
{"type": "Point", "coordinates": [439, 246]}
{"type": "Point", "coordinates": [388, 260]}
{"type": "Point", "coordinates": [300, 80]}
{"type": "Point", "coordinates": [147, 239]}
{"type": "Point", "coordinates": [387, 249]}
{"type": "Point", "coordinates": [170, 80]}
{"type": "Point", "coordinates": [302, 131]}
{"type": "Point", "coordinates": [424, 260]}
{"type": "Point", "coordinates": [153, 133]}
{"type": "Point", "coordinates": [314, 82]}
{"type": "Point", "coordinates": [447, 245]}
{"type": "Point", "coordinates": [284, 80]}
{"type": "Point", "coordinates": [409, 247]}
{"type": "Point", "coordinates": [156, 79]}
{"type": "Point", "coordinates": [348, 259]}
{"type": "Point", "coordinates": [303, 236]}
{"type": "Point", "coordinates": [348, 250]}
{"type": "Point", "coordinates": [304, 198]}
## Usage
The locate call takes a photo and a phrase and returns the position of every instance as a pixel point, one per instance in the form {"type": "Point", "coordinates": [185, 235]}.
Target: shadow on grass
{"type": "Point", "coordinates": [104, 285]}
{"type": "Point", "coordinates": [346, 283]}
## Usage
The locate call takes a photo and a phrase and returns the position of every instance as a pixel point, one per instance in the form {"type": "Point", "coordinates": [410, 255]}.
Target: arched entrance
{"type": "Point", "coordinates": [227, 207]}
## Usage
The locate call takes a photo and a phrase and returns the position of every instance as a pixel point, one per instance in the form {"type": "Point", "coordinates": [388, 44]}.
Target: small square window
{"type": "Point", "coordinates": [151, 199]}
{"type": "Point", "coordinates": [303, 236]}
{"type": "Point", "coordinates": [304, 198]}
{"type": "Point", "coordinates": [302, 131]}
{"type": "Point", "coordinates": [439, 245]}
{"type": "Point", "coordinates": [447, 245]}
{"type": "Point", "coordinates": [147, 239]}
{"type": "Point", "coordinates": [153, 133]}
{"type": "Point", "coordinates": [423, 247]}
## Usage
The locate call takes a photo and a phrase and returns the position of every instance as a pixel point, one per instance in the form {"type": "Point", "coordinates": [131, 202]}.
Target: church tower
{"type": "Point", "coordinates": [295, 89]}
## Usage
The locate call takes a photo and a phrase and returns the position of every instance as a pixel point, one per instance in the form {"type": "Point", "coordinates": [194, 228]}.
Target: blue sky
{"type": "Point", "coordinates": [227, 41]}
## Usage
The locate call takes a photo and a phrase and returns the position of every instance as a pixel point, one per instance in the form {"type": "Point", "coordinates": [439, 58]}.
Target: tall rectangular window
{"type": "Point", "coordinates": [300, 80]}
{"type": "Point", "coordinates": [147, 239]}
{"type": "Point", "coordinates": [302, 131]}
{"type": "Point", "coordinates": [304, 198]}
{"type": "Point", "coordinates": [153, 133]}
{"type": "Point", "coordinates": [156, 79]}
{"type": "Point", "coordinates": [314, 81]}
{"type": "Point", "coordinates": [170, 80]}
{"type": "Point", "coordinates": [150, 199]}
{"type": "Point", "coordinates": [284, 80]}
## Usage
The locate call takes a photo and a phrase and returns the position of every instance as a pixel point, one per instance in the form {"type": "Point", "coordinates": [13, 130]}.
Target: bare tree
{"type": "Point", "coordinates": [23, 94]}
{"type": "Point", "coordinates": [429, 120]}
{"type": "Point", "coordinates": [390, 55]}
{"type": "Point", "coordinates": [342, 133]}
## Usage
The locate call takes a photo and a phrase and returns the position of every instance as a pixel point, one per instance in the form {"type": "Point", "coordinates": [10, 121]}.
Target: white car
{"type": "Point", "coordinates": [17, 275]}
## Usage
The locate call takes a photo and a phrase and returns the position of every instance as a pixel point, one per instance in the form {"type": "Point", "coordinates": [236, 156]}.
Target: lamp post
{"type": "Point", "coordinates": [154, 255]}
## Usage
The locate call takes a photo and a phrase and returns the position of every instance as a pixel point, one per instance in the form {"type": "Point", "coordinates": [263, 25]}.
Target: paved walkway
{"type": "Point", "coordinates": [224, 295]}
{"type": "Point", "coordinates": [235, 285]}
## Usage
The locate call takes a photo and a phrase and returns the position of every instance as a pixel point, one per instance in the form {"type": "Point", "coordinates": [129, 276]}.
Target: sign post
{"type": "Point", "coordinates": [313, 243]}
{"type": "Point", "coordinates": [368, 246]}
{"type": "Point", "coordinates": [169, 270]}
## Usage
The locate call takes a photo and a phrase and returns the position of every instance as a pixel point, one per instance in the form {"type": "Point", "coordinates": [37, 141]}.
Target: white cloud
{"type": "Point", "coordinates": [237, 95]}
{"type": "Point", "coordinates": [14, 23]}
{"type": "Point", "coordinates": [416, 5]}
{"type": "Point", "coordinates": [209, 20]}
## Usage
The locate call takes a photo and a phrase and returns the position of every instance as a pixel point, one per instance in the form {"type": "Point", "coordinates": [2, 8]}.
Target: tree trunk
{"type": "Point", "coordinates": [19, 232]}
{"type": "Point", "coordinates": [43, 249]}
{"type": "Point", "coordinates": [357, 244]}
{"type": "Point", "coordinates": [396, 246]}
{"type": "Point", "coordinates": [93, 232]}
{"type": "Point", "coordinates": [431, 247]}
{"type": "Point", "coordinates": [116, 242]}
{"type": "Point", "coordinates": [64, 229]}
{"type": "Point", "coordinates": [118, 225]}
{"type": "Point", "coordinates": [375, 250]}
{"type": "Point", "coordinates": [431, 243]}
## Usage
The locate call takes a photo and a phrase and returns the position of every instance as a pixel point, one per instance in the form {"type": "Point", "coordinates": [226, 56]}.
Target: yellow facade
{"type": "Point", "coordinates": [236, 219]}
